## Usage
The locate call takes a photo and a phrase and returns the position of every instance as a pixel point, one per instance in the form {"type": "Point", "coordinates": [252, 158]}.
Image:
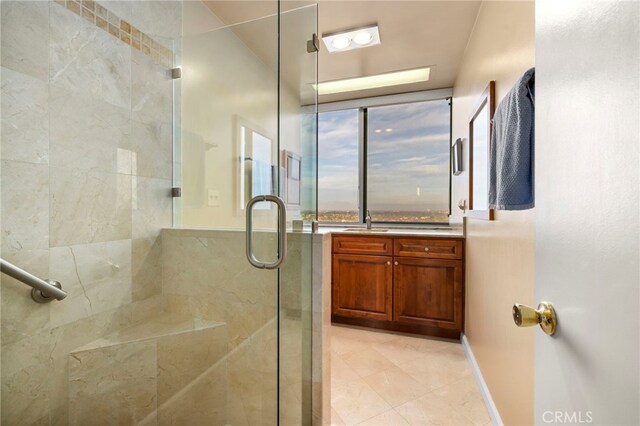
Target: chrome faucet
{"type": "Point", "coordinates": [367, 220]}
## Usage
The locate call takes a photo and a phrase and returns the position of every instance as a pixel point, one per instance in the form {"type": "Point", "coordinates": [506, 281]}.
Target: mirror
{"type": "Point", "coordinates": [256, 171]}
{"type": "Point", "coordinates": [480, 128]}
{"type": "Point", "coordinates": [293, 172]}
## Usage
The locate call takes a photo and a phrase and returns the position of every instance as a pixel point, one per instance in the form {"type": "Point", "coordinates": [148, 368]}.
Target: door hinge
{"type": "Point", "coordinates": [313, 45]}
{"type": "Point", "coordinates": [176, 192]}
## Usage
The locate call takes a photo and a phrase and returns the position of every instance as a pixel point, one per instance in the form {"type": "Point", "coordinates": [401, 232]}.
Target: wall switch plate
{"type": "Point", "coordinates": [213, 198]}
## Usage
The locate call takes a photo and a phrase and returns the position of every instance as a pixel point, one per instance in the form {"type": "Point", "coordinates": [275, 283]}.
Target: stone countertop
{"type": "Point", "coordinates": [431, 232]}
{"type": "Point", "coordinates": [454, 231]}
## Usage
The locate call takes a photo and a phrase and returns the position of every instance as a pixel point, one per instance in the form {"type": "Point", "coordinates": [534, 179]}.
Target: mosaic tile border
{"type": "Point", "coordinates": [108, 21]}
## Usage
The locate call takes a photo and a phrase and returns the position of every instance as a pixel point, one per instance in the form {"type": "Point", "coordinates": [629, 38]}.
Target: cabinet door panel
{"type": "Point", "coordinates": [362, 286]}
{"type": "Point", "coordinates": [428, 292]}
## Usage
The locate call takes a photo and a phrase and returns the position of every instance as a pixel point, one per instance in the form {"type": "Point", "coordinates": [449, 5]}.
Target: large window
{"type": "Point", "coordinates": [408, 162]}
{"type": "Point", "coordinates": [404, 154]}
{"type": "Point", "coordinates": [338, 158]}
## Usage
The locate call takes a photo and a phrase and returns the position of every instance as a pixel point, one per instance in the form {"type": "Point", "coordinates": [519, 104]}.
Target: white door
{"type": "Point", "coordinates": [587, 210]}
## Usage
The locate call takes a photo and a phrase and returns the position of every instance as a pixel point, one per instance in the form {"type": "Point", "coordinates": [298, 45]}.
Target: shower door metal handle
{"type": "Point", "coordinates": [282, 231]}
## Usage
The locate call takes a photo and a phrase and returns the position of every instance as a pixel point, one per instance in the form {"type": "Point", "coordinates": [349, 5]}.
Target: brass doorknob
{"type": "Point", "coordinates": [545, 315]}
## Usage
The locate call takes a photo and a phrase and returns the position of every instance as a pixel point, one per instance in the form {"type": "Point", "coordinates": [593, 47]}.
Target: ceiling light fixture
{"type": "Point", "coordinates": [352, 39]}
{"type": "Point", "coordinates": [341, 42]}
{"type": "Point", "coordinates": [416, 75]}
{"type": "Point", "coordinates": [363, 38]}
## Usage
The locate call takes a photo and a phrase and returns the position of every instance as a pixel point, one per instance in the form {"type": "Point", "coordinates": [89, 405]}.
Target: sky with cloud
{"type": "Point", "coordinates": [407, 158]}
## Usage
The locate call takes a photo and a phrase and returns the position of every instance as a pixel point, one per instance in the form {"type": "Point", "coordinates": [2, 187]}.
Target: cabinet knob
{"type": "Point", "coordinates": [426, 249]}
{"type": "Point", "coordinates": [395, 263]}
{"type": "Point", "coordinates": [388, 262]}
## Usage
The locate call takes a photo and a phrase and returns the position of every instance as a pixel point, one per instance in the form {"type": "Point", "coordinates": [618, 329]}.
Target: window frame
{"type": "Point", "coordinates": [363, 105]}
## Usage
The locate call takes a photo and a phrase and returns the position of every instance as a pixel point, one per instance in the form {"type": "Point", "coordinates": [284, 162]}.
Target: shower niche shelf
{"type": "Point", "coordinates": [167, 370]}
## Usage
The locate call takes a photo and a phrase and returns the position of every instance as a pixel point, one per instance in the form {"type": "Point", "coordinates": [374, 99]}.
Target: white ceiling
{"type": "Point", "coordinates": [414, 34]}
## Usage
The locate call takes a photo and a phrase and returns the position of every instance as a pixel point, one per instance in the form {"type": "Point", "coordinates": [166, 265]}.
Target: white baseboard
{"type": "Point", "coordinates": [484, 390]}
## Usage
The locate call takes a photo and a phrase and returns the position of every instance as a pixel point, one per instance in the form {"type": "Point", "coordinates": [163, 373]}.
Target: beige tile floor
{"type": "Point", "coordinates": [388, 379]}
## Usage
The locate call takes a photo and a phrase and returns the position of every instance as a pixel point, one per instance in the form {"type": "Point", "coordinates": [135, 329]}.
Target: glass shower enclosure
{"type": "Point", "coordinates": [156, 157]}
{"type": "Point", "coordinates": [246, 166]}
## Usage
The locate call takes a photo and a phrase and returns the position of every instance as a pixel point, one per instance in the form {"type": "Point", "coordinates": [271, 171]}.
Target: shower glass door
{"type": "Point", "coordinates": [108, 110]}
{"type": "Point", "coordinates": [299, 336]}
{"type": "Point", "coordinates": [245, 160]}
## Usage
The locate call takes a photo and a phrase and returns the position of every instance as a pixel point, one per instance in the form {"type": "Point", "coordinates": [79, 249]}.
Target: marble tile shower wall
{"type": "Point", "coordinates": [97, 14]}
{"type": "Point", "coordinates": [86, 152]}
{"type": "Point", "coordinates": [206, 275]}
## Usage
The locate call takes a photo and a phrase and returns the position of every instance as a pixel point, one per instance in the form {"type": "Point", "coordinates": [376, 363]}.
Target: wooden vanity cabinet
{"type": "Point", "coordinates": [362, 275]}
{"type": "Point", "coordinates": [428, 292]}
{"type": "Point", "coordinates": [410, 284]}
{"type": "Point", "coordinates": [362, 286]}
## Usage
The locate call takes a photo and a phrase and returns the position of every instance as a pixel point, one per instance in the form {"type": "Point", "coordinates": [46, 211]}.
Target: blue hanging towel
{"type": "Point", "coordinates": [511, 166]}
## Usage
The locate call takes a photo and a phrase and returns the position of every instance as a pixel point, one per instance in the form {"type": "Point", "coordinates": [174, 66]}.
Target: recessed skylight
{"type": "Point", "coordinates": [352, 39]}
{"type": "Point", "coordinates": [416, 75]}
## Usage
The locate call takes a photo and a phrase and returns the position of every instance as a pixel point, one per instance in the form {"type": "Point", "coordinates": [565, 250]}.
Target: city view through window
{"type": "Point", "coordinates": [407, 164]}
{"type": "Point", "coordinates": [338, 170]}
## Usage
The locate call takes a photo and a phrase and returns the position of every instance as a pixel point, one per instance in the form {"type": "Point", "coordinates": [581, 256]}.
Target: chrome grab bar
{"type": "Point", "coordinates": [43, 291]}
{"type": "Point", "coordinates": [282, 232]}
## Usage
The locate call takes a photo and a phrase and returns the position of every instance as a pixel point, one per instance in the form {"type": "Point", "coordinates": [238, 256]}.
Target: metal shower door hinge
{"type": "Point", "coordinates": [176, 73]}
{"type": "Point", "coordinates": [313, 45]}
{"type": "Point", "coordinates": [176, 192]}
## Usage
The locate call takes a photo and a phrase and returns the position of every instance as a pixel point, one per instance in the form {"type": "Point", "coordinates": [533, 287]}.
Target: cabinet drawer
{"type": "Point", "coordinates": [433, 248]}
{"type": "Point", "coordinates": [363, 245]}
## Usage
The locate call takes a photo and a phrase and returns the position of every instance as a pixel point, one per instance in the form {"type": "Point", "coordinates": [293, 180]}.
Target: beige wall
{"type": "Point", "coordinates": [500, 254]}
{"type": "Point", "coordinates": [223, 81]}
